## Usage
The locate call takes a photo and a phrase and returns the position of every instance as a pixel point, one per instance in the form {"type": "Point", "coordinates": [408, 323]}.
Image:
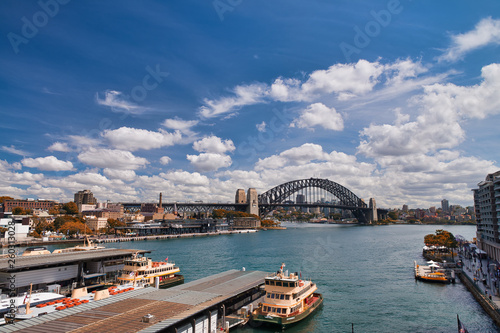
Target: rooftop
{"type": "Point", "coordinates": [124, 312]}
{"type": "Point", "coordinates": [63, 258]}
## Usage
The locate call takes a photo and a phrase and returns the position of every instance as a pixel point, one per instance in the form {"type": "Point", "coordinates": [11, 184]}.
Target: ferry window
{"type": "Point", "coordinates": [274, 309]}
{"type": "Point", "coordinates": [267, 282]}
{"type": "Point", "coordinates": [268, 295]}
{"type": "Point", "coordinates": [271, 283]}
{"type": "Point", "coordinates": [272, 295]}
{"type": "Point", "coordinates": [283, 311]}
{"type": "Point", "coordinates": [282, 297]}
{"type": "Point", "coordinates": [285, 284]}
{"type": "Point", "coordinates": [279, 310]}
{"type": "Point", "coordinates": [287, 297]}
{"type": "Point", "coordinates": [278, 283]}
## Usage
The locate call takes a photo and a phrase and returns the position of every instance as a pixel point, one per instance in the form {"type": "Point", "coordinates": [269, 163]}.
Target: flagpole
{"type": "Point", "coordinates": [458, 323]}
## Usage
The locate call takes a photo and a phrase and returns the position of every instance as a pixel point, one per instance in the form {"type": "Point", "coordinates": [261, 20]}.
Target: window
{"type": "Point", "coordinates": [278, 284]}
{"type": "Point", "coordinates": [271, 283]}
{"type": "Point", "coordinates": [279, 310]}
{"type": "Point", "coordinates": [282, 296]}
{"type": "Point", "coordinates": [267, 282]}
{"type": "Point", "coordinates": [285, 284]}
{"type": "Point", "coordinates": [264, 308]}
{"type": "Point", "coordinates": [283, 311]}
{"type": "Point", "coordinates": [272, 295]}
{"type": "Point", "coordinates": [287, 297]}
{"type": "Point", "coordinates": [268, 295]}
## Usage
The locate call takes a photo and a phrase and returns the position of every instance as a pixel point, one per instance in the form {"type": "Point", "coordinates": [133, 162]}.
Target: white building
{"type": "Point", "coordinates": [20, 225]}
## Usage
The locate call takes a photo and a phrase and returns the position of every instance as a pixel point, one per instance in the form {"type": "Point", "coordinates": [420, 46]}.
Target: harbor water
{"type": "Point", "coordinates": [364, 272]}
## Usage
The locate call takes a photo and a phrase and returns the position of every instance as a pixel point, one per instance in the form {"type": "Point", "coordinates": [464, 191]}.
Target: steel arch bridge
{"type": "Point", "coordinates": [347, 199]}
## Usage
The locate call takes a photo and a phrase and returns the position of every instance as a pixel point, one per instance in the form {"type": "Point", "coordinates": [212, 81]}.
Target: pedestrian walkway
{"type": "Point", "coordinates": [481, 272]}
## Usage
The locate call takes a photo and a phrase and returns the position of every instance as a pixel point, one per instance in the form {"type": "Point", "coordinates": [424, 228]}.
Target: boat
{"type": "Point", "coordinates": [35, 251]}
{"type": "Point", "coordinates": [288, 299]}
{"type": "Point", "coordinates": [22, 300]}
{"type": "Point", "coordinates": [87, 246]}
{"type": "Point", "coordinates": [145, 270]}
{"type": "Point", "coordinates": [431, 273]}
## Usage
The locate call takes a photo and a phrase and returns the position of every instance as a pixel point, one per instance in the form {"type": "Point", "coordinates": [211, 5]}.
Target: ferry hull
{"type": "Point", "coordinates": [173, 281]}
{"type": "Point", "coordinates": [289, 320]}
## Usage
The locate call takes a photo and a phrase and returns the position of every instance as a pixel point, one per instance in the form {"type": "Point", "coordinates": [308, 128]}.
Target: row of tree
{"type": "Point", "coordinates": [441, 238]}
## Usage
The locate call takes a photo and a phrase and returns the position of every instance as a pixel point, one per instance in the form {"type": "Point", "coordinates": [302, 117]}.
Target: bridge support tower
{"type": "Point", "coordinates": [372, 216]}
{"type": "Point", "coordinates": [253, 202]}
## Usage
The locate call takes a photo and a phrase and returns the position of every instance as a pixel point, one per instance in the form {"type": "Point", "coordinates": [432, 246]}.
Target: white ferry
{"type": "Point", "coordinates": [288, 299]}
{"type": "Point", "coordinates": [147, 271]}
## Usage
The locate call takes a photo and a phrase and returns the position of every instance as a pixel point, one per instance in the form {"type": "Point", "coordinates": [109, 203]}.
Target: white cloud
{"type": "Point", "coordinates": [293, 156]}
{"type": "Point", "coordinates": [186, 178]}
{"type": "Point", "coordinates": [165, 160]}
{"type": "Point", "coordinates": [112, 159]}
{"type": "Point", "coordinates": [486, 32]}
{"type": "Point", "coordinates": [207, 162]}
{"type": "Point", "coordinates": [318, 114]}
{"type": "Point", "coordinates": [119, 103]}
{"type": "Point", "coordinates": [261, 127]}
{"type": "Point", "coordinates": [213, 144]}
{"type": "Point", "coordinates": [49, 163]}
{"type": "Point", "coordinates": [126, 175]}
{"type": "Point", "coordinates": [184, 126]}
{"type": "Point", "coordinates": [244, 95]}
{"type": "Point", "coordinates": [60, 146]}
{"type": "Point", "coordinates": [83, 141]}
{"type": "Point", "coordinates": [15, 151]}
{"type": "Point", "coordinates": [133, 139]}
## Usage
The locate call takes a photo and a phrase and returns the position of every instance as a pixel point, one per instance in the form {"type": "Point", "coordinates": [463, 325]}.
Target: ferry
{"type": "Point", "coordinates": [147, 271]}
{"type": "Point", "coordinates": [288, 299]}
{"type": "Point", "coordinates": [87, 246]}
{"type": "Point", "coordinates": [431, 273]}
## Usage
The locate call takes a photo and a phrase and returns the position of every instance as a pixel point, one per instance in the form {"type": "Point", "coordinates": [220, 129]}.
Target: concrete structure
{"type": "Point", "coordinates": [253, 202]}
{"type": "Point", "coordinates": [445, 206]}
{"type": "Point", "coordinates": [196, 307]}
{"type": "Point", "coordinates": [62, 268]}
{"type": "Point", "coordinates": [30, 204]}
{"type": "Point", "coordinates": [487, 208]}
{"type": "Point", "coordinates": [246, 223]}
{"type": "Point", "coordinates": [373, 210]}
{"type": "Point", "coordinates": [240, 196]}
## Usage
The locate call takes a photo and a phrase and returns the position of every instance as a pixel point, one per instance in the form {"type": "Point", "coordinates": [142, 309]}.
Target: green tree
{"type": "Point", "coordinates": [70, 208]}
{"type": "Point", "coordinates": [393, 215]}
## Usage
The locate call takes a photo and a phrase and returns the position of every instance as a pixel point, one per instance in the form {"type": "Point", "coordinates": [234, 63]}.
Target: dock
{"type": "Point", "coordinates": [197, 306]}
{"type": "Point", "coordinates": [158, 237]}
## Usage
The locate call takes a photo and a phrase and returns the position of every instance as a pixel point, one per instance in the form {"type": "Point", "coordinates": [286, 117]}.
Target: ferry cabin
{"type": "Point", "coordinates": [287, 296]}
{"type": "Point", "coordinates": [144, 269]}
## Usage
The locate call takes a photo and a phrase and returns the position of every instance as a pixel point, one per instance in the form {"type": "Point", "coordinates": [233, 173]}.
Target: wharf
{"type": "Point", "coordinates": [157, 237]}
{"type": "Point", "coordinates": [197, 306]}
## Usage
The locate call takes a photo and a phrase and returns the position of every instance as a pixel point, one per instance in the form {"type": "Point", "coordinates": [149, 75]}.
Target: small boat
{"type": "Point", "coordinates": [430, 273]}
{"type": "Point", "coordinates": [87, 246]}
{"type": "Point", "coordinates": [35, 251]}
{"type": "Point", "coordinates": [288, 299]}
{"type": "Point", "coordinates": [145, 270]}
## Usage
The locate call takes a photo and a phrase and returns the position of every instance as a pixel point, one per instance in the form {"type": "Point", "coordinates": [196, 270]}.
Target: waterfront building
{"type": "Point", "coordinates": [21, 226]}
{"type": "Point", "coordinates": [487, 209]}
{"type": "Point", "coordinates": [30, 204]}
{"type": "Point", "coordinates": [96, 223]}
{"type": "Point", "coordinates": [246, 223]}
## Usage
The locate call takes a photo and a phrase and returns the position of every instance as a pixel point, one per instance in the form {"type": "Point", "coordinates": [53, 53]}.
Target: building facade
{"type": "Point", "coordinates": [487, 209]}
{"type": "Point", "coordinates": [85, 197]}
{"type": "Point", "coordinates": [28, 204]}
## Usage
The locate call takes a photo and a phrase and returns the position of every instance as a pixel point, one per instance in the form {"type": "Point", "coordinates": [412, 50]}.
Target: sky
{"type": "Point", "coordinates": [396, 100]}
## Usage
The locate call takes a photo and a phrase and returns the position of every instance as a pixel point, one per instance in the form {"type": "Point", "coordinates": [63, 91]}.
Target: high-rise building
{"type": "Point", "coordinates": [405, 208]}
{"type": "Point", "coordinates": [445, 206]}
{"type": "Point", "coordinates": [487, 209]}
{"type": "Point", "coordinates": [85, 197]}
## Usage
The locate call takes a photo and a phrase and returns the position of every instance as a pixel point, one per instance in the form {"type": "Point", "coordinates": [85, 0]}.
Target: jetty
{"type": "Point", "coordinates": [197, 306]}
{"type": "Point", "coordinates": [158, 237]}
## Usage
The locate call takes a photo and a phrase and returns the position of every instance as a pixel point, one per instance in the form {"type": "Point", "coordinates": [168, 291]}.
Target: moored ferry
{"type": "Point", "coordinates": [288, 299]}
{"type": "Point", "coordinates": [145, 270]}
{"type": "Point", "coordinates": [431, 273]}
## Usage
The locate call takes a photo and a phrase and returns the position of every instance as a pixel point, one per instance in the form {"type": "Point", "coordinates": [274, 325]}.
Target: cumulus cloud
{"type": "Point", "coordinates": [49, 163]}
{"type": "Point", "coordinates": [486, 32]}
{"type": "Point", "coordinates": [293, 156]}
{"type": "Point", "coordinates": [213, 144]}
{"type": "Point", "coordinates": [186, 178]}
{"type": "Point", "coordinates": [207, 162]}
{"type": "Point", "coordinates": [261, 127]}
{"type": "Point", "coordinates": [60, 146]}
{"type": "Point", "coordinates": [119, 102]}
{"type": "Point", "coordinates": [165, 160]}
{"type": "Point", "coordinates": [318, 114]}
{"type": "Point", "coordinates": [112, 159]}
{"type": "Point", "coordinates": [133, 139]}
{"type": "Point", "coordinates": [126, 175]}
{"type": "Point", "coordinates": [183, 126]}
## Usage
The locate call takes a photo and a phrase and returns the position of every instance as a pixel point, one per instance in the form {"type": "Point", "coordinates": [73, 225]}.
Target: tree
{"type": "Point", "coordinates": [71, 228]}
{"type": "Point", "coordinates": [41, 225]}
{"type": "Point", "coordinates": [70, 208]}
{"type": "Point", "coordinates": [61, 220]}
{"type": "Point", "coordinates": [2, 199]}
{"type": "Point", "coordinates": [55, 210]}
{"type": "Point", "coordinates": [393, 215]}
{"type": "Point", "coordinates": [17, 211]}
{"type": "Point", "coordinates": [113, 223]}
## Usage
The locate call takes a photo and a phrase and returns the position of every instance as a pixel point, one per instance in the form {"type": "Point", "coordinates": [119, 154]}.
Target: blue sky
{"type": "Point", "coordinates": [396, 100]}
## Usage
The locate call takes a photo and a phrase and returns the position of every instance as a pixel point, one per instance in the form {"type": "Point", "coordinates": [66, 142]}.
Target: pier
{"type": "Point", "coordinates": [157, 237]}
{"type": "Point", "coordinates": [197, 306]}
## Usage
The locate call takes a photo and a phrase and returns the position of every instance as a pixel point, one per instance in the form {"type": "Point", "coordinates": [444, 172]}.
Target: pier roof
{"type": "Point", "coordinates": [124, 312]}
{"type": "Point", "coordinates": [62, 258]}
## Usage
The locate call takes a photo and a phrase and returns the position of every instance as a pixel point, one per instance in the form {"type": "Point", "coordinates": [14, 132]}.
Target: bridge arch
{"type": "Point", "coordinates": [346, 197]}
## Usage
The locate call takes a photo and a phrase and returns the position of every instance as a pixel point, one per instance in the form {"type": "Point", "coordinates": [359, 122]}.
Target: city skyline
{"type": "Point", "coordinates": [395, 100]}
